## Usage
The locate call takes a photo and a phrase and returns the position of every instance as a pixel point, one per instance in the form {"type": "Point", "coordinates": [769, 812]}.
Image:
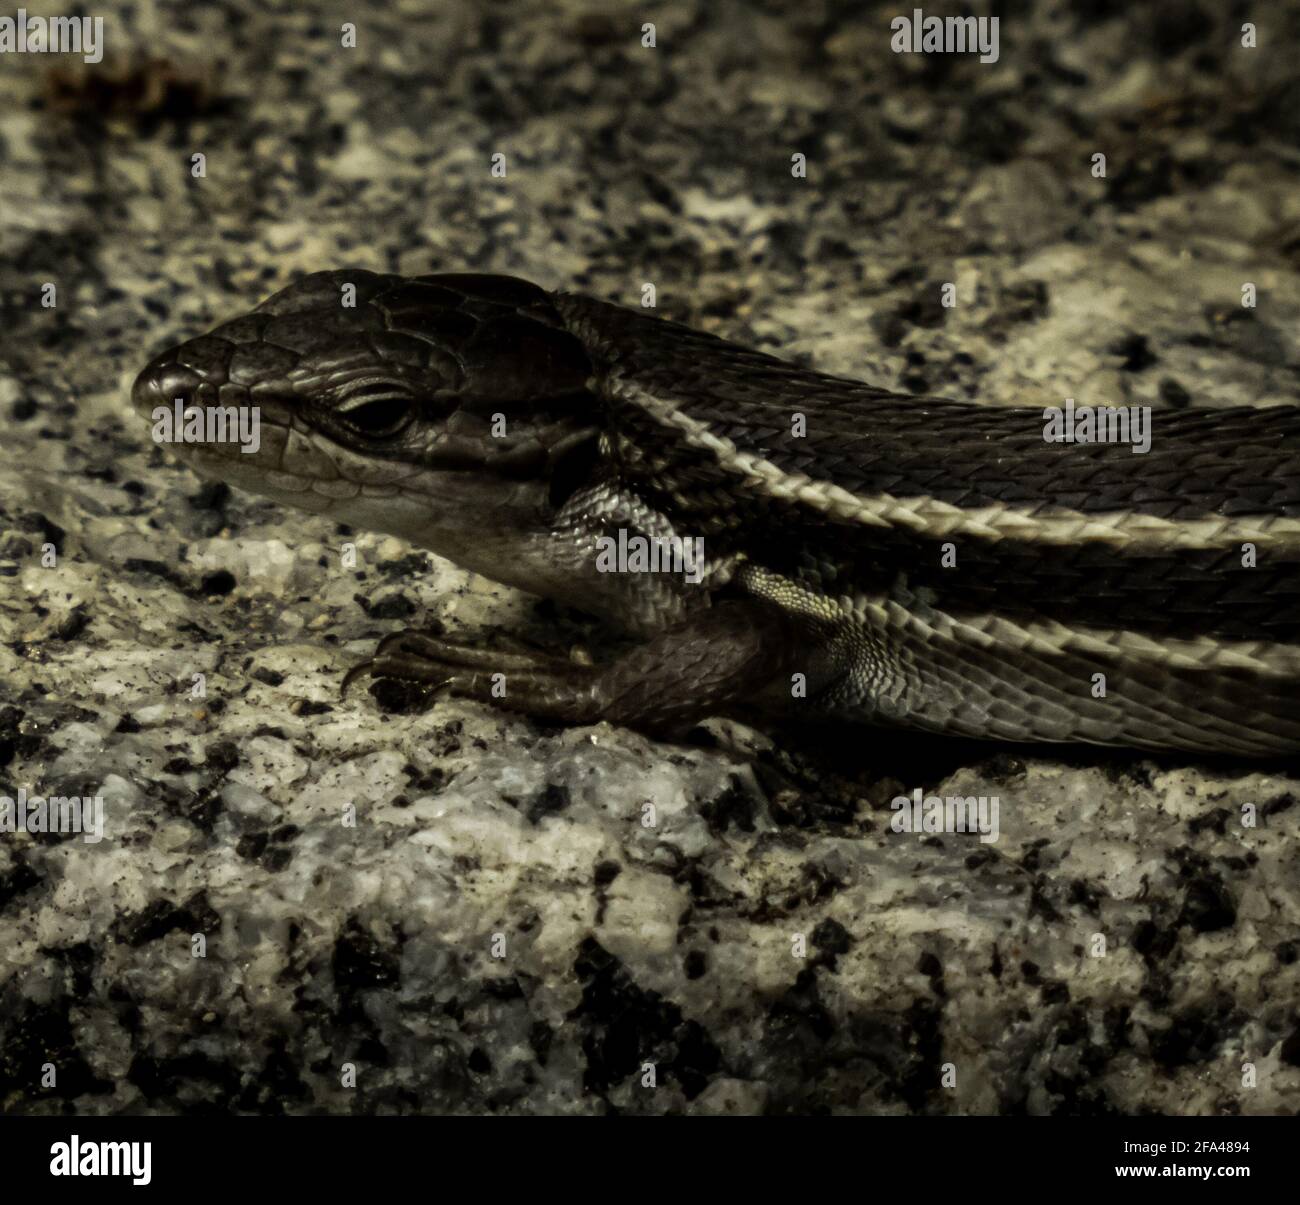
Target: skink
{"type": "Point", "coordinates": [899, 560]}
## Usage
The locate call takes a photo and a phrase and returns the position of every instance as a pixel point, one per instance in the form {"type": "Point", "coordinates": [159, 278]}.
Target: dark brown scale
{"type": "Point", "coordinates": [419, 370]}
{"type": "Point", "coordinates": [868, 441]}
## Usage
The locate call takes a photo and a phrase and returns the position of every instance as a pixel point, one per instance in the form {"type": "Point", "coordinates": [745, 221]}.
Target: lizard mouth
{"type": "Point", "coordinates": [287, 450]}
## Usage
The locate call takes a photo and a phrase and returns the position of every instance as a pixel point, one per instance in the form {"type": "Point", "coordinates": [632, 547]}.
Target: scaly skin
{"type": "Point", "coordinates": [898, 560]}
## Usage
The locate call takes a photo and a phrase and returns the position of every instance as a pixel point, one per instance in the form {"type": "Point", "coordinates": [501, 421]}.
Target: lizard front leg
{"type": "Point", "coordinates": [715, 662]}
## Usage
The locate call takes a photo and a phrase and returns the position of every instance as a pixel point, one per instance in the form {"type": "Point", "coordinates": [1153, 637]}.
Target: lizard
{"type": "Point", "coordinates": [859, 554]}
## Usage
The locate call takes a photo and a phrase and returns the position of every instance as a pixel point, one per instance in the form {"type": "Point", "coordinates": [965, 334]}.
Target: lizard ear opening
{"type": "Point", "coordinates": [573, 467]}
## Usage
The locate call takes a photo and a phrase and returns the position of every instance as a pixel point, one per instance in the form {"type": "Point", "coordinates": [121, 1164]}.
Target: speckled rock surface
{"type": "Point", "coordinates": [475, 912]}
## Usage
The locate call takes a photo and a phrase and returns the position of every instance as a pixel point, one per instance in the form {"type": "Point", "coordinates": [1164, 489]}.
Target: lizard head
{"type": "Point", "coordinates": [439, 408]}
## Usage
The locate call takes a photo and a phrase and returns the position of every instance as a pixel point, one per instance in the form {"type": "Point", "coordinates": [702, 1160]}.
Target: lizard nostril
{"type": "Point", "coordinates": [162, 384]}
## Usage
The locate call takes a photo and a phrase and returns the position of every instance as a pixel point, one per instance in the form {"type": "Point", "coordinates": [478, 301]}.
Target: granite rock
{"type": "Point", "coordinates": [303, 903]}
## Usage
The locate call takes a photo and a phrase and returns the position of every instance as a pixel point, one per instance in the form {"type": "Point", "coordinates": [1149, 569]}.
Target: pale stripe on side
{"type": "Point", "coordinates": [939, 520]}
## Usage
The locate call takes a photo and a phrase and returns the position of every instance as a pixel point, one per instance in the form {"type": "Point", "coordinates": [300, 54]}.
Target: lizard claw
{"type": "Point", "coordinates": [409, 669]}
{"type": "Point", "coordinates": [537, 681]}
{"type": "Point", "coordinates": [419, 650]}
{"type": "Point", "coordinates": [360, 670]}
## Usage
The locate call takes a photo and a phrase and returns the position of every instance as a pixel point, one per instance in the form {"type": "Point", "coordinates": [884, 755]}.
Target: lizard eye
{"type": "Point", "coordinates": [377, 408]}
